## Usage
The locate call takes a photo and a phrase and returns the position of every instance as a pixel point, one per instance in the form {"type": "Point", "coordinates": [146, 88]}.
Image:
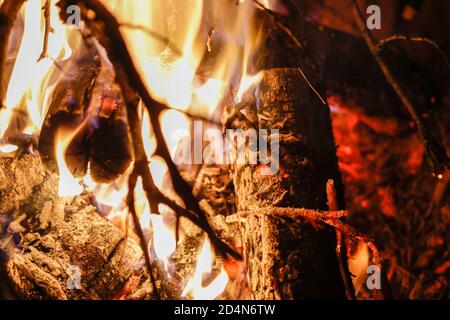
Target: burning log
{"type": "Point", "coordinates": [73, 253]}
{"type": "Point", "coordinates": [65, 249]}
{"type": "Point", "coordinates": [68, 110]}
{"type": "Point", "coordinates": [88, 102]}
{"type": "Point", "coordinates": [290, 258]}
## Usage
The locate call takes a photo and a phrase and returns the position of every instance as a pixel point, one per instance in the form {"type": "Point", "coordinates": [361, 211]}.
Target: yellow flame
{"type": "Point", "coordinates": [147, 135]}
{"type": "Point", "coordinates": [358, 264]}
{"type": "Point", "coordinates": [67, 184]}
{"type": "Point", "coordinates": [109, 194]}
{"type": "Point", "coordinates": [247, 82]}
{"type": "Point", "coordinates": [204, 266]}
{"type": "Point", "coordinates": [163, 239]}
{"type": "Point", "coordinates": [172, 77]}
{"type": "Point", "coordinates": [175, 126]}
{"type": "Point", "coordinates": [29, 87]}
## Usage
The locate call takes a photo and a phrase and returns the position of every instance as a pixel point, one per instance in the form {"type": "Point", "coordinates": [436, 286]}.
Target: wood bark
{"type": "Point", "coordinates": [45, 241]}
{"type": "Point", "coordinates": [290, 258]}
{"type": "Point", "coordinates": [24, 184]}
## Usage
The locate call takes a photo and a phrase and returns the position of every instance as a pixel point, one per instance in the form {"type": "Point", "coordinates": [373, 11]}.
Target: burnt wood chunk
{"type": "Point", "coordinates": [110, 140]}
{"type": "Point", "coordinates": [67, 112]}
{"type": "Point", "coordinates": [70, 252]}
{"type": "Point", "coordinates": [24, 183]}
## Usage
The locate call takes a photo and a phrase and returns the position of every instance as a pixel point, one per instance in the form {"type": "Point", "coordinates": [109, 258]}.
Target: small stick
{"type": "Point", "coordinates": [137, 225]}
{"type": "Point", "coordinates": [340, 254]}
{"type": "Point", "coordinates": [47, 30]}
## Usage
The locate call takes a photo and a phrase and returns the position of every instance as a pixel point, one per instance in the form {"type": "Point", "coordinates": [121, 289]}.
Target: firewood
{"type": "Point", "coordinates": [70, 238]}
{"type": "Point", "coordinates": [68, 110]}
{"type": "Point", "coordinates": [70, 252]}
{"type": "Point", "coordinates": [110, 152]}
{"type": "Point", "coordinates": [289, 258]}
{"type": "Point", "coordinates": [24, 183]}
{"type": "Point", "coordinates": [57, 237]}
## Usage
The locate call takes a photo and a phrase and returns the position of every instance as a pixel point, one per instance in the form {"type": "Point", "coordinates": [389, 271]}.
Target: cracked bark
{"type": "Point", "coordinates": [289, 258]}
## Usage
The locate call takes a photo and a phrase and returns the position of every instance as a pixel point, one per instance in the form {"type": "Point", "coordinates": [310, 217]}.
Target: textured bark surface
{"type": "Point", "coordinates": [66, 235]}
{"type": "Point", "coordinates": [24, 184]}
{"type": "Point", "coordinates": [43, 239]}
{"type": "Point", "coordinates": [286, 257]}
{"type": "Point", "coordinates": [284, 101]}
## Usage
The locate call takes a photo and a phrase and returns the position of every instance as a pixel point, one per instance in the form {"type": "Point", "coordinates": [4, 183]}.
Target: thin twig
{"type": "Point", "coordinates": [137, 225]}
{"type": "Point", "coordinates": [340, 244]}
{"type": "Point", "coordinates": [291, 212]}
{"type": "Point", "coordinates": [436, 154]}
{"type": "Point", "coordinates": [382, 43]}
{"type": "Point", "coordinates": [312, 87]}
{"type": "Point", "coordinates": [48, 28]}
{"type": "Point", "coordinates": [330, 218]}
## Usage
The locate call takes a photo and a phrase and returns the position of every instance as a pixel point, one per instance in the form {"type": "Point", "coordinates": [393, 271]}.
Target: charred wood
{"type": "Point", "coordinates": [67, 112]}
{"type": "Point", "coordinates": [110, 142]}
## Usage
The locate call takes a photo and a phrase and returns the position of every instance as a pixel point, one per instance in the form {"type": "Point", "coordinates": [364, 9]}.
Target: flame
{"type": "Point", "coordinates": [204, 266]}
{"type": "Point", "coordinates": [163, 236]}
{"type": "Point", "coordinates": [67, 184]}
{"type": "Point", "coordinates": [7, 148]}
{"type": "Point", "coordinates": [247, 82]}
{"type": "Point", "coordinates": [175, 126]}
{"type": "Point", "coordinates": [147, 134]}
{"type": "Point", "coordinates": [163, 239]}
{"type": "Point", "coordinates": [172, 71]}
{"type": "Point", "coordinates": [30, 85]}
{"type": "Point", "coordinates": [358, 264]}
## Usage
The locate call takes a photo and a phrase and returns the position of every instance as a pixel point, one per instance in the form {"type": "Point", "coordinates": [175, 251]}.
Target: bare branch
{"type": "Point", "coordinates": [436, 154]}
{"type": "Point", "coordinates": [106, 29]}
{"type": "Point", "coordinates": [382, 43]}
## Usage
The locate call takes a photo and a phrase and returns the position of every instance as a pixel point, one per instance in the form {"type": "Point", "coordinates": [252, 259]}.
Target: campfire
{"type": "Point", "coordinates": [203, 149]}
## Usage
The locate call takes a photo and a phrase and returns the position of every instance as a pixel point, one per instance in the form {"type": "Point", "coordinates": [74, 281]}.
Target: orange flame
{"type": "Point", "coordinates": [172, 72]}
{"type": "Point", "coordinates": [67, 185]}
{"type": "Point", "coordinates": [204, 266]}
